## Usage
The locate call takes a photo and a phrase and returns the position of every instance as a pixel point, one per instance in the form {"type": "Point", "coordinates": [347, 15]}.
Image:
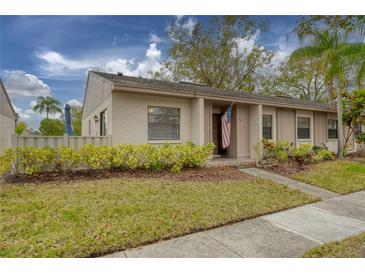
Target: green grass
{"type": "Point", "coordinates": [342, 177]}
{"type": "Point", "coordinates": [82, 219]}
{"type": "Point", "coordinates": [353, 247]}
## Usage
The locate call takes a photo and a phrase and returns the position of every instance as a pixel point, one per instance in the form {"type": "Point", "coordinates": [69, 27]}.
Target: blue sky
{"type": "Point", "coordinates": [50, 55]}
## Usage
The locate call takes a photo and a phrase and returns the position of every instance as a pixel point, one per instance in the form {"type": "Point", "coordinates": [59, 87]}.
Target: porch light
{"type": "Point", "coordinates": [96, 119]}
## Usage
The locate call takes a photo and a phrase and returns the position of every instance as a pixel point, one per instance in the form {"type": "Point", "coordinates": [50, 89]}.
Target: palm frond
{"type": "Point", "coordinates": [305, 53]}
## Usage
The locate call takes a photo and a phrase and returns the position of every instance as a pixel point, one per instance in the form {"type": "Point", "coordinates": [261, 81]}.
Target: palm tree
{"type": "Point", "coordinates": [48, 104]}
{"type": "Point", "coordinates": [335, 57]}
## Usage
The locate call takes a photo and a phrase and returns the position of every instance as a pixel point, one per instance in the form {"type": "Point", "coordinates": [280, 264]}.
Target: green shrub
{"type": "Point", "coordinates": [6, 161]}
{"type": "Point", "coordinates": [303, 154]}
{"type": "Point", "coordinates": [284, 151]}
{"type": "Point", "coordinates": [68, 158]}
{"type": "Point", "coordinates": [323, 154]}
{"type": "Point", "coordinates": [96, 158]}
{"type": "Point", "coordinates": [316, 148]}
{"type": "Point", "coordinates": [30, 160]}
{"type": "Point", "coordinates": [278, 151]}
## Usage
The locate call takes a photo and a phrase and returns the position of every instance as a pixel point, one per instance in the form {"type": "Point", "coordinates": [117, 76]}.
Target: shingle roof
{"type": "Point", "coordinates": [202, 90]}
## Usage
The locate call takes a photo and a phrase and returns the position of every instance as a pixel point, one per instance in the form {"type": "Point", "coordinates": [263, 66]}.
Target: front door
{"type": "Point", "coordinates": [217, 133]}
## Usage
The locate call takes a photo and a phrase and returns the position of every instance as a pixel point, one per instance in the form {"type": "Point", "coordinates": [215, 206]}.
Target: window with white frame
{"type": "Point", "coordinates": [303, 128]}
{"type": "Point", "coordinates": [332, 129]}
{"type": "Point", "coordinates": [163, 123]}
{"type": "Point", "coordinates": [267, 126]}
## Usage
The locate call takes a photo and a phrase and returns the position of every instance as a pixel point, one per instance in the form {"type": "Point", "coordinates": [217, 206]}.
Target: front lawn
{"type": "Point", "coordinates": [95, 217]}
{"type": "Point", "coordinates": [342, 177]}
{"type": "Point", "coordinates": [353, 247]}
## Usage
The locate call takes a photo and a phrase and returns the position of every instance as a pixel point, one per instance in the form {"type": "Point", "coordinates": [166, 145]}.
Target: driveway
{"type": "Point", "coordinates": [287, 233]}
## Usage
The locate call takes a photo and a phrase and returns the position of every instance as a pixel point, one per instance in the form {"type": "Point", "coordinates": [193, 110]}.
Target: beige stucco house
{"type": "Point", "coordinates": [8, 119]}
{"type": "Point", "coordinates": [136, 110]}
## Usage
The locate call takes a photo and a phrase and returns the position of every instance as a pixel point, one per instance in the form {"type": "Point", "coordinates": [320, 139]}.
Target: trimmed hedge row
{"type": "Point", "coordinates": [31, 160]}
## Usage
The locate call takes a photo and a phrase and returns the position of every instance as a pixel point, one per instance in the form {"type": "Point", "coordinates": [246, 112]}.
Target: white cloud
{"type": "Point", "coordinates": [33, 103]}
{"type": "Point", "coordinates": [23, 115]}
{"type": "Point", "coordinates": [119, 65]}
{"type": "Point", "coordinates": [189, 25]}
{"type": "Point", "coordinates": [185, 24]}
{"type": "Point", "coordinates": [29, 116]}
{"type": "Point", "coordinates": [245, 45]}
{"type": "Point", "coordinates": [74, 102]}
{"type": "Point", "coordinates": [56, 64]}
{"type": "Point", "coordinates": [284, 47]}
{"type": "Point", "coordinates": [152, 52]}
{"type": "Point", "coordinates": [154, 38]}
{"type": "Point", "coordinates": [21, 84]}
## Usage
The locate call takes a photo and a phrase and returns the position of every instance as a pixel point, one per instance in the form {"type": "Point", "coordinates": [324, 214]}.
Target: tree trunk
{"type": "Point", "coordinates": [330, 93]}
{"type": "Point", "coordinates": [339, 119]}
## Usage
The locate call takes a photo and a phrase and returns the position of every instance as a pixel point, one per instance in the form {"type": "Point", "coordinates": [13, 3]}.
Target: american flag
{"type": "Point", "coordinates": [226, 127]}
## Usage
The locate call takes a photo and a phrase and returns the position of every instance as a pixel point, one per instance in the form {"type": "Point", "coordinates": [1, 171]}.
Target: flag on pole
{"type": "Point", "coordinates": [226, 127]}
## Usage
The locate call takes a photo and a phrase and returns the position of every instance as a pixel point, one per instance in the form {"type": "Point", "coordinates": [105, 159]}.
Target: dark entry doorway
{"type": "Point", "coordinates": [217, 134]}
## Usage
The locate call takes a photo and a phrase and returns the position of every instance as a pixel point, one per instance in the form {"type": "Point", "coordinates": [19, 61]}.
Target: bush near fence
{"type": "Point", "coordinates": [32, 160]}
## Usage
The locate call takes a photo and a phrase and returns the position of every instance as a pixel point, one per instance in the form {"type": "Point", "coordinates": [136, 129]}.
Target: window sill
{"type": "Point", "coordinates": [332, 140]}
{"type": "Point", "coordinates": [305, 140]}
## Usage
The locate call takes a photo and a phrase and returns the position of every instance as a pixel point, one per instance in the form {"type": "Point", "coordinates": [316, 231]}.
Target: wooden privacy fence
{"type": "Point", "coordinates": [75, 142]}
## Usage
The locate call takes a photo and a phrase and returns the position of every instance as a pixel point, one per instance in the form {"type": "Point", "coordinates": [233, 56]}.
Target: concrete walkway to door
{"type": "Point", "coordinates": [287, 233]}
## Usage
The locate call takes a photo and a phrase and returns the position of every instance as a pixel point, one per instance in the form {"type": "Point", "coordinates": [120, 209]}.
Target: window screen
{"type": "Point", "coordinates": [163, 123]}
{"type": "Point", "coordinates": [303, 127]}
{"type": "Point", "coordinates": [332, 129]}
{"type": "Point", "coordinates": [267, 126]}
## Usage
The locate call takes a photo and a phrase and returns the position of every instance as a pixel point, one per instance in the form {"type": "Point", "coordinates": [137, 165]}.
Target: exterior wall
{"type": "Point", "coordinates": [286, 125]}
{"type": "Point", "coordinates": [309, 114]}
{"type": "Point", "coordinates": [7, 119]}
{"type": "Point", "coordinates": [97, 89]}
{"type": "Point", "coordinates": [5, 104]}
{"type": "Point", "coordinates": [271, 111]}
{"type": "Point", "coordinates": [89, 127]}
{"type": "Point", "coordinates": [197, 121]}
{"type": "Point", "coordinates": [320, 128]}
{"type": "Point", "coordinates": [207, 121]}
{"type": "Point", "coordinates": [255, 112]}
{"type": "Point", "coordinates": [130, 117]}
{"type": "Point", "coordinates": [7, 128]}
{"type": "Point", "coordinates": [240, 135]}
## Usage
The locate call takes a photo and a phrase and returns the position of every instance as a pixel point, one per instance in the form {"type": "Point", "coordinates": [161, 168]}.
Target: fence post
{"type": "Point", "coordinates": [65, 141]}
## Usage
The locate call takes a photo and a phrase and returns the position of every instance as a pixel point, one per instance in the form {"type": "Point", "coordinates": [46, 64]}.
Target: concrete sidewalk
{"type": "Point", "coordinates": [306, 188]}
{"type": "Point", "coordinates": [287, 233]}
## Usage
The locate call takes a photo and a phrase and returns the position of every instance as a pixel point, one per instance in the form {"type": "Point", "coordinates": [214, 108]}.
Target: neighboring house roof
{"type": "Point", "coordinates": [204, 91]}
{"type": "Point", "coordinates": [6, 107]}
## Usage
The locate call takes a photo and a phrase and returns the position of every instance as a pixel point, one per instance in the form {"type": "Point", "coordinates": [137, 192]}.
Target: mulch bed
{"type": "Point", "coordinates": [191, 174]}
{"type": "Point", "coordinates": [286, 169]}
